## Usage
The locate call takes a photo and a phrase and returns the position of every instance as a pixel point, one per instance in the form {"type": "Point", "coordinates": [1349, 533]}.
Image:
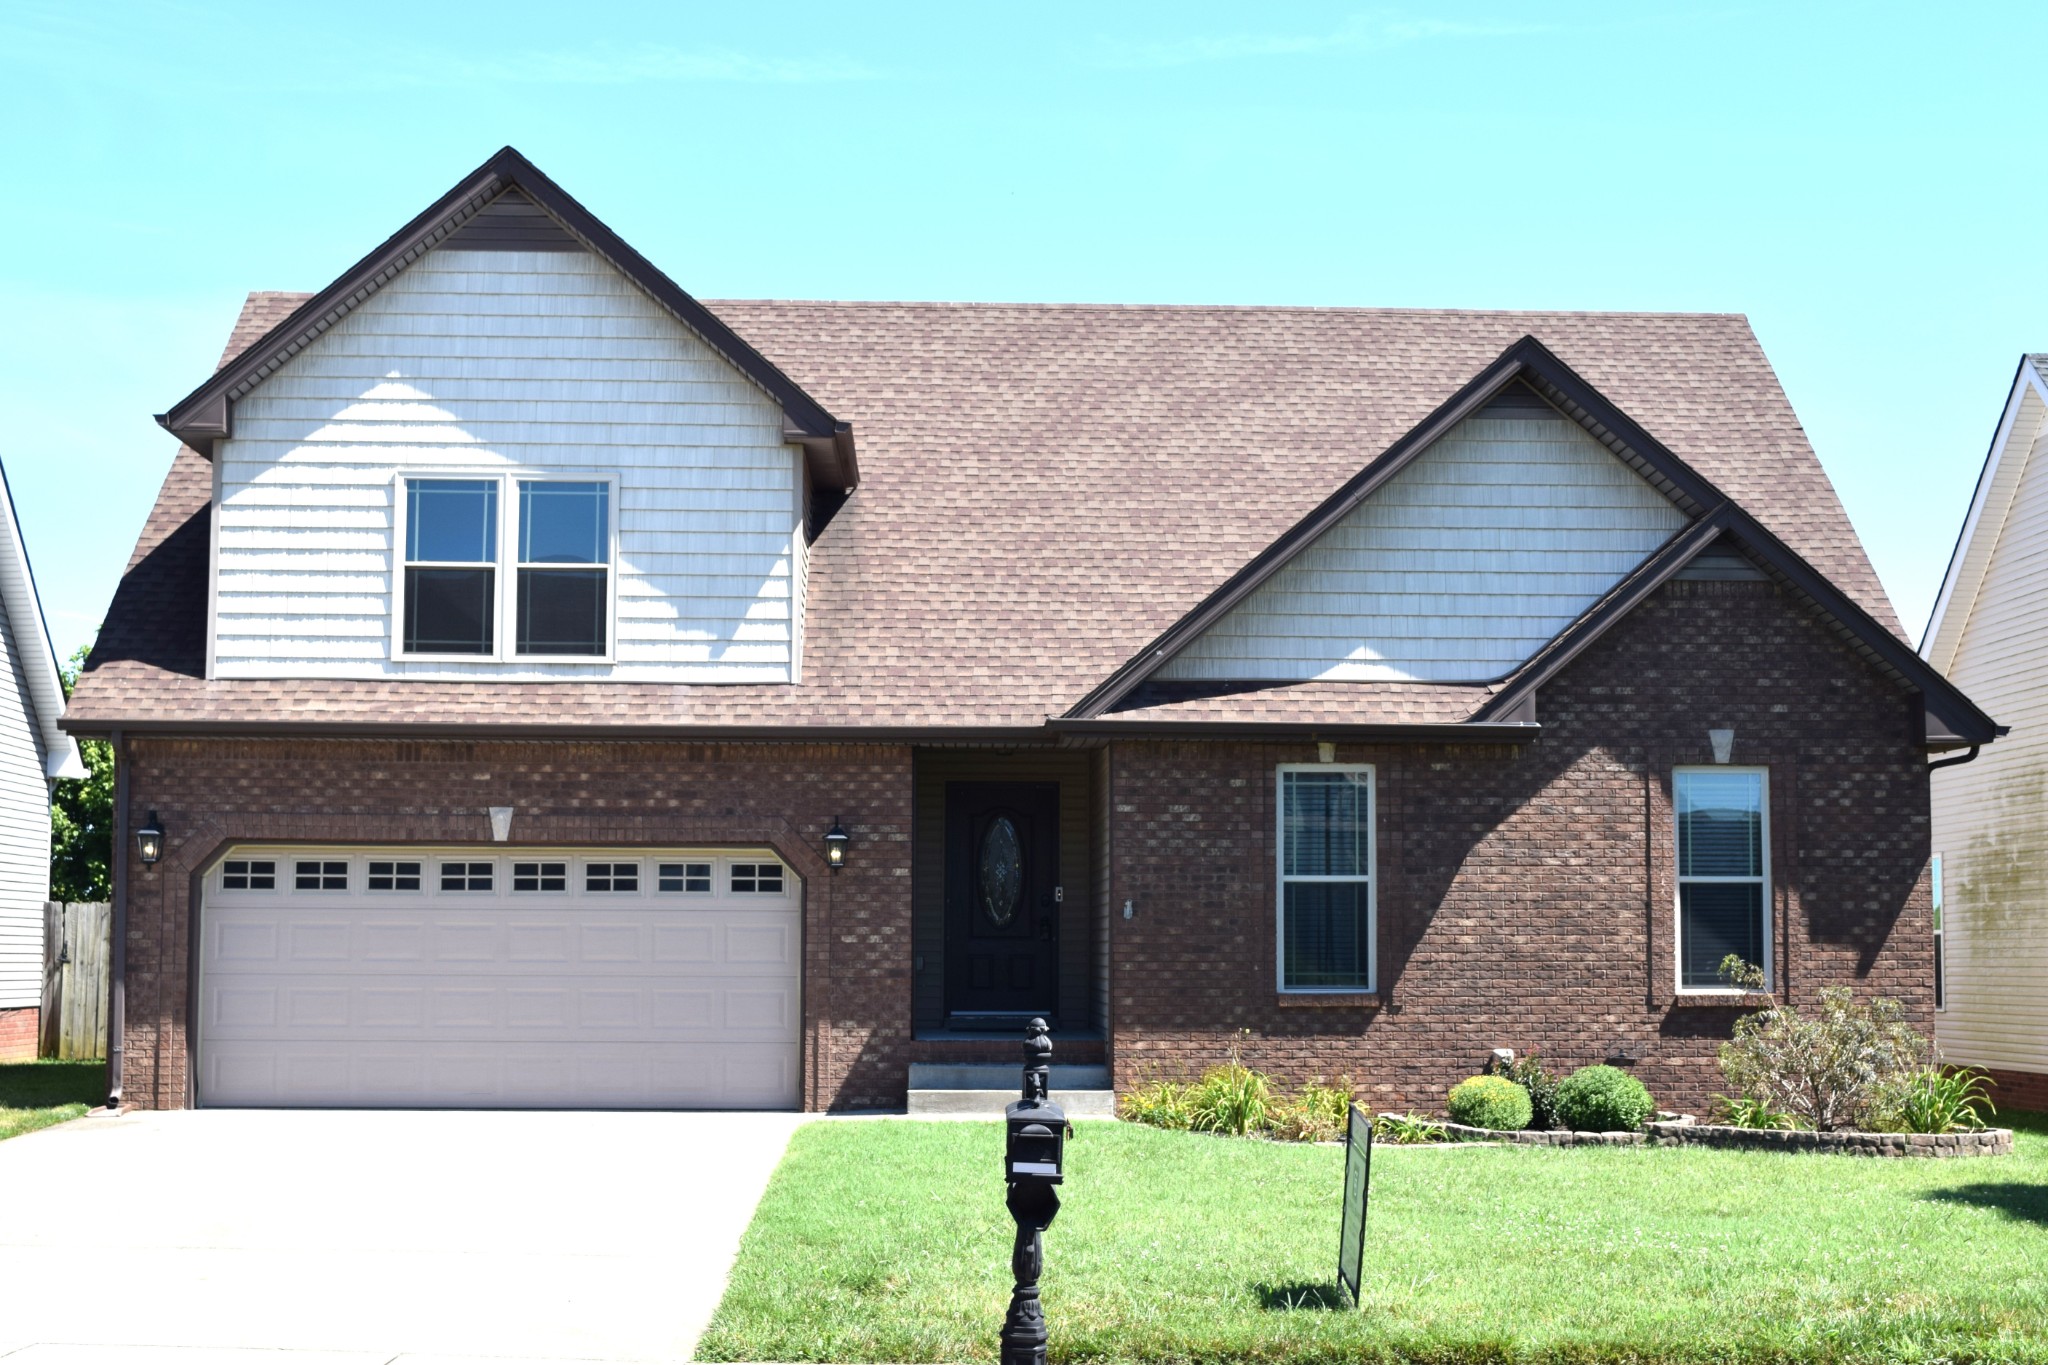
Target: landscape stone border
{"type": "Point", "coordinates": [1458, 1132]}
{"type": "Point", "coordinates": [1685, 1131]}
{"type": "Point", "coordinates": [1990, 1142]}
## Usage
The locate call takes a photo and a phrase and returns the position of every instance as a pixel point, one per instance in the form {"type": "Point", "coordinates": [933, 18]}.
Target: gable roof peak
{"type": "Point", "coordinates": [206, 415]}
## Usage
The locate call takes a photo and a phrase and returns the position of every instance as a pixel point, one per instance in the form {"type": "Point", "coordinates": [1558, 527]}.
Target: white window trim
{"type": "Point", "coordinates": [505, 600]}
{"type": "Point", "coordinates": [1678, 881]}
{"type": "Point", "coordinates": [1371, 878]}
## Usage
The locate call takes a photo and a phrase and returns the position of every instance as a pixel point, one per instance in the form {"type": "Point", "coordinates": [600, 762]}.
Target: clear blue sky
{"type": "Point", "coordinates": [1862, 180]}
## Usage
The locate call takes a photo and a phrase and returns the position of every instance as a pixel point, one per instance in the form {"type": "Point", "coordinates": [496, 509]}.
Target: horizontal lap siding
{"type": "Point", "coordinates": [1991, 815]}
{"type": "Point", "coordinates": [500, 362]}
{"type": "Point", "coordinates": [1459, 568]}
{"type": "Point", "coordinates": [24, 835]}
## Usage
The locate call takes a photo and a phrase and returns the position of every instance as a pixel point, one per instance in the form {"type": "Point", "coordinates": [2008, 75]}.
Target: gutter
{"type": "Point", "coordinates": [1466, 732]}
{"type": "Point", "coordinates": [1956, 762]}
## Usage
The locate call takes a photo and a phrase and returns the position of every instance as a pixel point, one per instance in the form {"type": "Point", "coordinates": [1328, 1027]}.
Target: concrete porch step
{"type": "Point", "coordinates": [1078, 1104]}
{"type": "Point", "coordinates": [985, 1088]}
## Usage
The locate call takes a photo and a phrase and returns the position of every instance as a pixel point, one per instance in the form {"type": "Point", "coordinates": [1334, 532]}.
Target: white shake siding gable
{"type": "Point", "coordinates": [24, 831]}
{"type": "Point", "coordinates": [1991, 815]}
{"type": "Point", "coordinates": [492, 362]}
{"type": "Point", "coordinates": [1456, 570]}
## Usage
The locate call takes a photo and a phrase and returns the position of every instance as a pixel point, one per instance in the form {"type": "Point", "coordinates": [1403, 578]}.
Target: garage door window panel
{"type": "Point", "coordinates": [756, 879]}
{"type": "Point", "coordinates": [535, 877]}
{"type": "Point", "coordinates": [319, 875]}
{"type": "Point", "coordinates": [689, 879]}
{"type": "Point", "coordinates": [393, 875]}
{"type": "Point", "coordinates": [611, 878]}
{"type": "Point", "coordinates": [248, 874]}
{"type": "Point", "coordinates": [466, 876]}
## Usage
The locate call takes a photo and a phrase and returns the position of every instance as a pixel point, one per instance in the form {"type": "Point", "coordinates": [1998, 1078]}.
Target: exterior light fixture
{"type": "Point", "coordinates": [149, 840]}
{"type": "Point", "coordinates": [836, 840]}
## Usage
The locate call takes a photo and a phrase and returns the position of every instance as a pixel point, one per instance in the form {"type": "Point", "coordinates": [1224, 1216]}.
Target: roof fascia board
{"type": "Point", "coordinates": [1527, 359]}
{"type": "Point", "coordinates": [401, 729]}
{"type": "Point", "coordinates": [1965, 723]}
{"type": "Point", "coordinates": [39, 666]}
{"type": "Point", "coordinates": [1467, 732]}
{"type": "Point", "coordinates": [1653, 573]}
{"type": "Point", "coordinates": [205, 415]}
{"type": "Point", "coordinates": [2026, 380]}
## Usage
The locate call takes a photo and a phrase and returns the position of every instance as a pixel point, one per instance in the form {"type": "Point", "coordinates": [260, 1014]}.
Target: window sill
{"type": "Point", "coordinates": [1329, 1000]}
{"type": "Point", "coordinates": [1726, 1000]}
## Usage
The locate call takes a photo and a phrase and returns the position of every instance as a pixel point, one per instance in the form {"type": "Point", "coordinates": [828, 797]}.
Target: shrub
{"type": "Point", "coordinates": [1935, 1100]}
{"type": "Point", "coordinates": [1405, 1130]}
{"type": "Point", "coordinates": [1231, 1098]}
{"type": "Point", "coordinates": [1163, 1104]}
{"type": "Point", "coordinates": [1527, 1071]}
{"type": "Point", "coordinates": [1746, 1111]}
{"type": "Point", "coordinates": [1493, 1102]}
{"type": "Point", "coordinates": [1828, 1070]}
{"type": "Point", "coordinates": [1602, 1099]}
{"type": "Point", "coordinates": [1319, 1112]}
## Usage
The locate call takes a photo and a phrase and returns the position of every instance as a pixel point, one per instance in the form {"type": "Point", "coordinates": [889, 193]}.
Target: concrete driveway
{"type": "Point", "coordinates": [366, 1238]}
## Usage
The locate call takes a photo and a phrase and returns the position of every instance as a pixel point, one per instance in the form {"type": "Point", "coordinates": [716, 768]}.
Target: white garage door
{"type": "Point", "coordinates": [478, 978]}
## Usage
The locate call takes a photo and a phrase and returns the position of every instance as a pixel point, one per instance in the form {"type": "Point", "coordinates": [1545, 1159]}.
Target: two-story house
{"type": "Point", "coordinates": [552, 690]}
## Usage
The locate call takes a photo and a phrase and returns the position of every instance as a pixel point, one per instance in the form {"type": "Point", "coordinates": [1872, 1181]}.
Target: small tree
{"type": "Point", "coordinates": [1827, 1069]}
{"type": "Point", "coordinates": [82, 818]}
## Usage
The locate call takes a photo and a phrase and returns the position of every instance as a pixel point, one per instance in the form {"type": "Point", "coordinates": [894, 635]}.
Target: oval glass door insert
{"type": "Point", "coordinates": [1002, 871]}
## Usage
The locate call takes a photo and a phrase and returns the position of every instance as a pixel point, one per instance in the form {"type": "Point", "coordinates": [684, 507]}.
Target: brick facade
{"type": "Point", "coordinates": [1525, 893]}
{"type": "Point", "coordinates": [18, 1034]}
{"type": "Point", "coordinates": [2023, 1092]}
{"type": "Point", "coordinates": [214, 792]}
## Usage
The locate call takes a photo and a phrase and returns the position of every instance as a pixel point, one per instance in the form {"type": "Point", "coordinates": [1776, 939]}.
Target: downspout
{"type": "Point", "coordinates": [1955, 762]}
{"type": "Point", "coordinates": [117, 973]}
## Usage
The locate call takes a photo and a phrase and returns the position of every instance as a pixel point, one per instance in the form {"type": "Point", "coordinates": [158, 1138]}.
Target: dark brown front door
{"type": "Point", "coordinates": [1002, 902]}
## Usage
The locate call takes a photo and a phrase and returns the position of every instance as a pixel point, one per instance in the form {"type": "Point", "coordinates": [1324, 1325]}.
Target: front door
{"type": "Point", "coordinates": [1002, 902]}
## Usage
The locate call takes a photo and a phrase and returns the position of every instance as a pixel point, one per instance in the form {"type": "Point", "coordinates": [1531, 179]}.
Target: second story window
{"type": "Point", "coordinates": [451, 566]}
{"type": "Point", "coordinates": [505, 567]}
{"type": "Point", "coordinates": [564, 568]}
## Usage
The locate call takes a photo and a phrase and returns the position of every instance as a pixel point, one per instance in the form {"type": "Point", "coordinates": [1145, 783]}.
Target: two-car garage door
{"type": "Point", "coordinates": [482, 978]}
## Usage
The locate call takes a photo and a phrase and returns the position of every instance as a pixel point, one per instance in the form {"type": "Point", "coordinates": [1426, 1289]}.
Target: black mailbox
{"type": "Point", "coordinates": [1036, 1149]}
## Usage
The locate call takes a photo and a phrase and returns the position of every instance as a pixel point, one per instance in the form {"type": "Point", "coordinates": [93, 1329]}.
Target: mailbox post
{"type": "Point", "coordinates": [1034, 1149]}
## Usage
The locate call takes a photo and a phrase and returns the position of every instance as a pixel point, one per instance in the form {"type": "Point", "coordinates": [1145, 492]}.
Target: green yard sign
{"type": "Point", "coordinates": [1357, 1190]}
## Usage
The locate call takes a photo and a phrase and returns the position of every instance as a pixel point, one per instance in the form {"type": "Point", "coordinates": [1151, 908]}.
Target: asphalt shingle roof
{"type": "Point", "coordinates": [1045, 488]}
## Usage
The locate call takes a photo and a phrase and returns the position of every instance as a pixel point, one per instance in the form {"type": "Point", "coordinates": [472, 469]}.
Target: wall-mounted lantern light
{"type": "Point", "coordinates": [836, 840]}
{"type": "Point", "coordinates": [149, 840]}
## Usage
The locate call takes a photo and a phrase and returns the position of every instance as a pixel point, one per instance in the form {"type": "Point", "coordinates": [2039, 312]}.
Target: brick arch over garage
{"type": "Point", "coordinates": [212, 794]}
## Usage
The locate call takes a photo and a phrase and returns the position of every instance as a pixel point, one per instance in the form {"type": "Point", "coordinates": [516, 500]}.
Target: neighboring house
{"type": "Point", "coordinates": [1989, 634]}
{"type": "Point", "coordinates": [513, 630]}
{"type": "Point", "coordinates": [33, 753]}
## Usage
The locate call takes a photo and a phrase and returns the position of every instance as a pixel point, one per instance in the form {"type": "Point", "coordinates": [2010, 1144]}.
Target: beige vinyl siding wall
{"type": "Point", "coordinates": [1459, 568]}
{"type": "Point", "coordinates": [24, 834]}
{"type": "Point", "coordinates": [1991, 815]}
{"type": "Point", "coordinates": [504, 362]}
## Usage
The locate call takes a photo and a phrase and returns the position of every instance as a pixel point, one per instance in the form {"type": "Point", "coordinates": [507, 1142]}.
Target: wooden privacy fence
{"type": "Point", "coordinates": [76, 950]}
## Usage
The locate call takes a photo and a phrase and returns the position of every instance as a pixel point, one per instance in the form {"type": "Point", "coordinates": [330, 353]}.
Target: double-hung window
{"type": "Point", "coordinates": [564, 568]}
{"type": "Point", "coordinates": [462, 593]}
{"type": "Point", "coordinates": [451, 566]}
{"type": "Point", "coordinates": [1724, 895]}
{"type": "Point", "coordinates": [1326, 879]}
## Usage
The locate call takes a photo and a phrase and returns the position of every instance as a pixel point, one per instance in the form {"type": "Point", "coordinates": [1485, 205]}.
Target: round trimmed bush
{"type": "Point", "coordinates": [1493, 1102]}
{"type": "Point", "coordinates": [1601, 1099]}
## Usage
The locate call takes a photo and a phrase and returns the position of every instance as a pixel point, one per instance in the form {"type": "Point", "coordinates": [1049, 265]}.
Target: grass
{"type": "Point", "coordinates": [41, 1094]}
{"type": "Point", "coordinates": [887, 1241]}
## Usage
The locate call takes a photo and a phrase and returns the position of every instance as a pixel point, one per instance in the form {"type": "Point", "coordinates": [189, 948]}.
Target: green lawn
{"type": "Point", "coordinates": [38, 1094]}
{"type": "Point", "coordinates": [887, 1241]}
